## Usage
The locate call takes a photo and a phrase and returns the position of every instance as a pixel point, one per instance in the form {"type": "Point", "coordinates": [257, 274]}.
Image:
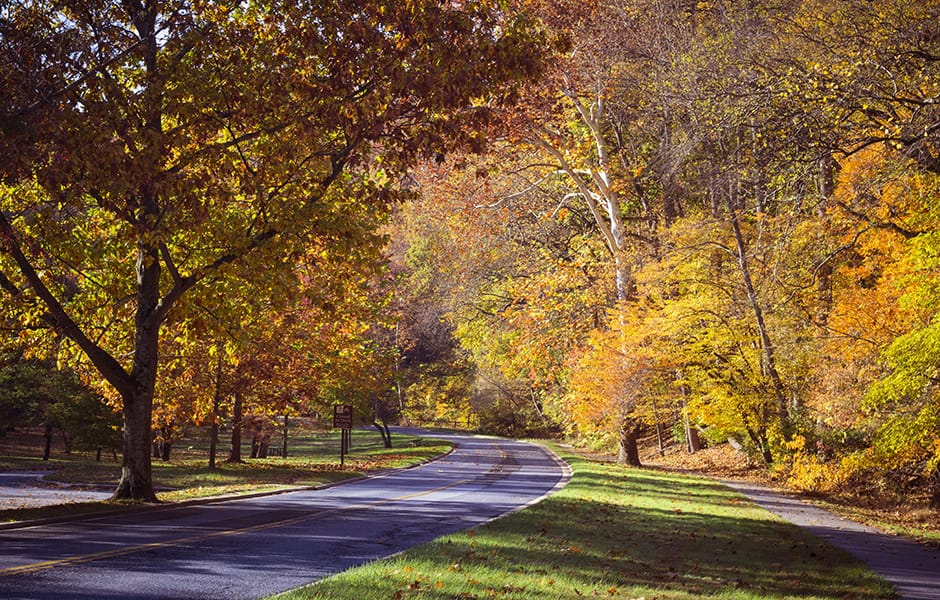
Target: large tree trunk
{"type": "Point", "coordinates": [136, 473]}
{"type": "Point", "coordinates": [629, 450]}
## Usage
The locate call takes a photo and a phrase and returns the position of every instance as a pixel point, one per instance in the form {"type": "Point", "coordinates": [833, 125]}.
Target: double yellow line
{"type": "Point", "coordinates": [85, 558]}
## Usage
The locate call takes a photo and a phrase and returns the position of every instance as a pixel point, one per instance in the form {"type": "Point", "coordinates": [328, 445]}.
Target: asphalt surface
{"type": "Point", "coordinates": [226, 550]}
{"type": "Point", "coordinates": [255, 547]}
{"type": "Point", "coordinates": [914, 570]}
{"type": "Point", "coordinates": [26, 489]}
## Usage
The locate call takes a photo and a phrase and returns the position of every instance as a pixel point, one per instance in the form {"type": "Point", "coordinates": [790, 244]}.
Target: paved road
{"type": "Point", "coordinates": [255, 547]}
{"type": "Point", "coordinates": [914, 570]}
{"type": "Point", "coordinates": [26, 489]}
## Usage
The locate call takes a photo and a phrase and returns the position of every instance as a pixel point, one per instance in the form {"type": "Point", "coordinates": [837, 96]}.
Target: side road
{"type": "Point", "coordinates": [26, 489]}
{"type": "Point", "coordinates": [914, 570]}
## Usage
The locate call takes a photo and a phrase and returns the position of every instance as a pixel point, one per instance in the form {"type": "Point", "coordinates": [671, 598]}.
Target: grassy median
{"type": "Point", "coordinates": [622, 533]}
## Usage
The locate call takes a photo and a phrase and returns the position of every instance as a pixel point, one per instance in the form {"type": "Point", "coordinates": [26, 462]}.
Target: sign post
{"type": "Point", "coordinates": [342, 419]}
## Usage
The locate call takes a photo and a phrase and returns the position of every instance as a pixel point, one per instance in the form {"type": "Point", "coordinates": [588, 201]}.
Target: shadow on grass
{"type": "Point", "coordinates": [621, 533]}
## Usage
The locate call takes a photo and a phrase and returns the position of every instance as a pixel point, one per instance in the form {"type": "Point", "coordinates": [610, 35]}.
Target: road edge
{"type": "Point", "coordinates": [13, 525]}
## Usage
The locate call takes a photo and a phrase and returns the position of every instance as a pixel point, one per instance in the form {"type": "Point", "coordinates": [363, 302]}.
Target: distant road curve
{"type": "Point", "coordinates": [256, 547]}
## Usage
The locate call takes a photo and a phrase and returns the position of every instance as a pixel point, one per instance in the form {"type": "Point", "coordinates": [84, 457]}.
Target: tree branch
{"type": "Point", "coordinates": [57, 316]}
{"type": "Point", "coordinates": [905, 233]}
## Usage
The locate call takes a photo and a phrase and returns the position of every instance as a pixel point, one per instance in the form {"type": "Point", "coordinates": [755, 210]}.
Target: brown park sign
{"type": "Point", "coordinates": [342, 416]}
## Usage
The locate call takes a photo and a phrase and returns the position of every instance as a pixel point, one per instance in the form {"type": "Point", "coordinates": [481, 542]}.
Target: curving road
{"type": "Point", "coordinates": [255, 547]}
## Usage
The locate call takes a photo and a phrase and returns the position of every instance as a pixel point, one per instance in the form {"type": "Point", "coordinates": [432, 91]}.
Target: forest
{"type": "Point", "coordinates": [710, 221]}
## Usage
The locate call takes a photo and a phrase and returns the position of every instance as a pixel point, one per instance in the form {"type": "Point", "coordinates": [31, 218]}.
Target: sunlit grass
{"type": "Point", "coordinates": [620, 533]}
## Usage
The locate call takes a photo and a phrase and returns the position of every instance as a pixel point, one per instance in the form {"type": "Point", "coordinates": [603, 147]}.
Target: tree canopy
{"type": "Point", "coordinates": [711, 218]}
{"type": "Point", "coordinates": [152, 149]}
{"type": "Point", "coordinates": [740, 203]}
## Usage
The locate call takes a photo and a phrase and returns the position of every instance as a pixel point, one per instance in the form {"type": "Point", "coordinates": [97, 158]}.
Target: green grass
{"type": "Point", "coordinates": [313, 459]}
{"type": "Point", "coordinates": [618, 533]}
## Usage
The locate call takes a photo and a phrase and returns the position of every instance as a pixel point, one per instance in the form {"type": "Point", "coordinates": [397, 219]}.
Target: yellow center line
{"type": "Point", "coordinates": [85, 558]}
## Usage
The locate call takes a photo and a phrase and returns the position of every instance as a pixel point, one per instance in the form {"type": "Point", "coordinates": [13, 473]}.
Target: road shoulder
{"type": "Point", "coordinates": [913, 569]}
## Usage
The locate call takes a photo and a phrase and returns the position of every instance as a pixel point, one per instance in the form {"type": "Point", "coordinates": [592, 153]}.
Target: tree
{"type": "Point", "coordinates": [34, 392]}
{"type": "Point", "coordinates": [608, 141]}
{"type": "Point", "coordinates": [515, 286]}
{"type": "Point", "coordinates": [152, 148]}
{"type": "Point", "coordinates": [88, 423]}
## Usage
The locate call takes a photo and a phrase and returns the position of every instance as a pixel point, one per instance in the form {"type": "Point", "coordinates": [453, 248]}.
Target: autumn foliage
{"type": "Point", "coordinates": [718, 222]}
{"type": "Point", "coordinates": [163, 163]}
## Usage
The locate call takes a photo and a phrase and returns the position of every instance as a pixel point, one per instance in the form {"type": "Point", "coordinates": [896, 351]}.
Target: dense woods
{"type": "Point", "coordinates": [713, 221]}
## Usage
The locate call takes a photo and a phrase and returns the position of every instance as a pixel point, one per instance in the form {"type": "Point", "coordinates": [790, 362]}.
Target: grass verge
{"type": "Point", "coordinates": [313, 460]}
{"type": "Point", "coordinates": [618, 533]}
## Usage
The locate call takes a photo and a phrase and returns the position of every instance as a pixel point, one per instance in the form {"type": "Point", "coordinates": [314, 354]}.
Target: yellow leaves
{"type": "Point", "coordinates": [808, 472]}
{"type": "Point", "coordinates": [934, 461]}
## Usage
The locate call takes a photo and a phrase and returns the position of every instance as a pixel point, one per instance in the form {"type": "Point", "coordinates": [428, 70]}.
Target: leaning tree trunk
{"type": "Point", "coordinates": [380, 422]}
{"type": "Point", "coordinates": [767, 348]}
{"type": "Point", "coordinates": [385, 432]}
